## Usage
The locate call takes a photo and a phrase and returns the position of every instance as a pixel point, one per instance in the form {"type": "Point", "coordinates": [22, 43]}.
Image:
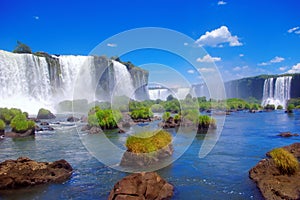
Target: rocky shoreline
{"type": "Point", "coordinates": [272, 183]}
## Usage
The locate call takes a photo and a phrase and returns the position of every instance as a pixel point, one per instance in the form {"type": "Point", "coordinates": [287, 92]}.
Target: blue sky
{"type": "Point", "coordinates": [244, 38]}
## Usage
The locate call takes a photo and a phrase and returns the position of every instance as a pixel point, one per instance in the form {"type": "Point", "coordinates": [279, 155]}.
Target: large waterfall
{"type": "Point", "coordinates": [31, 82]}
{"type": "Point", "coordinates": [277, 91]}
{"type": "Point", "coordinates": [163, 93]}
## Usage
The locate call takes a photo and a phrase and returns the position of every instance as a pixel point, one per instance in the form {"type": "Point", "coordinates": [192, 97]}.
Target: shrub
{"type": "Point", "coordinates": [290, 107]}
{"type": "Point", "coordinates": [147, 142]}
{"type": "Point", "coordinates": [2, 125]}
{"type": "Point", "coordinates": [166, 116]}
{"type": "Point", "coordinates": [22, 48]}
{"type": "Point", "coordinates": [191, 114]}
{"type": "Point", "coordinates": [285, 161]}
{"type": "Point", "coordinates": [8, 114]}
{"type": "Point", "coordinates": [270, 107]}
{"type": "Point", "coordinates": [142, 113]}
{"type": "Point", "coordinates": [279, 107]}
{"type": "Point", "coordinates": [206, 121]}
{"type": "Point", "coordinates": [20, 123]}
{"type": "Point", "coordinates": [106, 119]}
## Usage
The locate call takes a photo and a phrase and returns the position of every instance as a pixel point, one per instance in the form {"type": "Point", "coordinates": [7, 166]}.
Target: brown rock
{"type": "Point", "coordinates": [273, 184]}
{"type": "Point", "coordinates": [29, 132]}
{"type": "Point", "coordinates": [142, 186]}
{"type": "Point", "coordinates": [25, 172]}
{"type": "Point", "coordinates": [287, 134]}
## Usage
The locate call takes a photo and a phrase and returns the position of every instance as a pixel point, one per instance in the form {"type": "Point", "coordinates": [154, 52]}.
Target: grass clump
{"type": "Point", "coordinates": [146, 142]}
{"type": "Point", "coordinates": [205, 122]}
{"type": "Point", "coordinates": [20, 123]}
{"type": "Point", "coordinates": [285, 161]}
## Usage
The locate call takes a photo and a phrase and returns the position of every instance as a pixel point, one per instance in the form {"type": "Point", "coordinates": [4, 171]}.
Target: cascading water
{"type": "Point", "coordinates": [123, 81]}
{"type": "Point", "coordinates": [278, 93]}
{"type": "Point", "coordinates": [30, 82]}
{"type": "Point", "coordinates": [161, 93]}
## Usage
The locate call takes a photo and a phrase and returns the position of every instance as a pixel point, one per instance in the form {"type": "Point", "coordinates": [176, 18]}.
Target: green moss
{"type": "Point", "coordinates": [8, 114]}
{"type": "Point", "coordinates": [147, 142]}
{"type": "Point", "coordinates": [285, 161]}
{"type": "Point", "coordinates": [20, 123]}
{"type": "Point", "coordinates": [205, 122]}
{"type": "Point", "coordinates": [44, 111]}
{"type": "Point", "coordinates": [2, 125]}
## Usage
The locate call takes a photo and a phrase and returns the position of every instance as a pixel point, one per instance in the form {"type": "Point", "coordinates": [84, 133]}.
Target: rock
{"type": "Point", "coordinates": [38, 129]}
{"type": "Point", "coordinates": [142, 186]}
{"type": "Point", "coordinates": [44, 124]}
{"type": "Point", "coordinates": [1, 132]}
{"type": "Point", "coordinates": [144, 159]}
{"type": "Point", "coordinates": [25, 172]}
{"type": "Point", "coordinates": [84, 119]}
{"type": "Point", "coordinates": [272, 183]}
{"type": "Point", "coordinates": [121, 131]}
{"type": "Point", "coordinates": [85, 128]}
{"type": "Point", "coordinates": [95, 130]}
{"type": "Point", "coordinates": [72, 119]}
{"type": "Point", "coordinates": [29, 132]}
{"type": "Point", "coordinates": [287, 134]}
{"type": "Point", "coordinates": [45, 114]}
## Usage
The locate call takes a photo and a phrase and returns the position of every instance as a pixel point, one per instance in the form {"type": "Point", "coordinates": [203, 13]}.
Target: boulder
{"type": "Point", "coordinates": [44, 124]}
{"type": "Point", "coordinates": [272, 183]}
{"type": "Point", "coordinates": [72, 119]}
{"type": "Point", "coordinates": [142, 186]}
{"type": "Point", "coordinates": [29, 132]}
{"type": "Point", "coordinates": [45, 114]}
{"type": "Point", "coordinates": [146, 159]}
{"type": "Point", "coordinates": [95, 130]}
{"type": "Point", "coordinates": [25, 172]}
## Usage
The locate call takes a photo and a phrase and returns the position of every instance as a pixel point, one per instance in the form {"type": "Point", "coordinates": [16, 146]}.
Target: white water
{"type": "Point", "coordinates": [163, 93]}
{"type": "Point", "coordinates": [278, 93]}
{"type": "Point", "coordinates": [123, 81]}
{"type": "Point", "coordinates": [25, 81]}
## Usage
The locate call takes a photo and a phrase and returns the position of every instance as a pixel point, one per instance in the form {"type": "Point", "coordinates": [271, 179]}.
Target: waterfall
{"type": "Point", "coordinates": [278, 93]}
{"type": "Point", "coordinates": [159, 94]}
{"type": "Point", "coordinates": [123, 81]}
{"type": "Point", "coordinates": [31, 82]}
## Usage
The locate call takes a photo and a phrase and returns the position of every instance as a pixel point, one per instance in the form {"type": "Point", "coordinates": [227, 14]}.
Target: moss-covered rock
{"type": "Point", "coordinates": [45, 114]}
{"type": "Point", "coordinates": [21, 124]}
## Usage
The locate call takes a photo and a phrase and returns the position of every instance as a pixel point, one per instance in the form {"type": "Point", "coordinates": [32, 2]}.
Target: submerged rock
{"type": "Point", "coordinates": [72, 119]}
{"type": "Point", "coordinates": [139, 186]}
{"type": "Point", "coordinates": [287, 134]}
{"type": "Point", "coordinates": [27, 133]}
{"type": "Point", "coordinates": [25, 172]}
{"type": "Point", "coordinates": [272, 183]}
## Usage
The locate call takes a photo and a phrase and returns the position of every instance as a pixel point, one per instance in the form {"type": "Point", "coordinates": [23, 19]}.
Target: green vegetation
{"type": "Point", "coordinates": [269, 107]}
{"type": "Point", "coordinates": [8, 114]}
{"type": "Point", "coordinates": [147, 142]}
{"type": "Point", "coordinates": [290, 107]}
{"type": "Point", "coordinates": [294, 101]}
{"type": "Point", "coordinates": [106, 119]}
{"type": "Point", "coordinates": [205, 122]}
{"type": "Point", "coordinates": [280, 107]}
{"type": "Point", "coordinates": [157, 108]}
{"type": "Point", "coordinates": [166, 116]}
{"type": "Point", "coordinates": [285, 161]}
{"type": "Point", "coordinates": [142, 113]}
{"type": "Point", "coordinates": [22, 48]}
{"type": "Point", "coordinates": [2, 125]}
{"type": "Point", "coordinates": [20, 124]}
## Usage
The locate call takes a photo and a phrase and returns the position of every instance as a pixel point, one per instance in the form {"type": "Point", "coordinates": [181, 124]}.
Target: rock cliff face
{"type": "Point", "coordinates": [272, 183]}
{"type": "Point", "coordinates": [25, 172]}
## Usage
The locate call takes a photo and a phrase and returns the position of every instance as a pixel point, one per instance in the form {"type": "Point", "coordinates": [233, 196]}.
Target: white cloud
{"type": "Point", "coordinates": [295, 69]}
{"type": "Point", "coordinates": [112, 45]}
{"type": "Point", "coordinates": [191, 71]}
{"type": "Point", "coordinates": [297, 32]}
{"type": "Point", "coordinates": [208, 59]}
{"type": "Point", "coordinates": [206, 69]}
{"type": "Point", "coordinates": [276, 59]}
{"type": "Point", "coordinates": [240, 68]}
{"type": "Point", "coordinates": [217, 37]}
{"type": "Point", "coordinates": [36, 17]}
{"type": "Point", "coordinates": [241, 55]}
{"type": "Point", "coordinates": [221, 3]}
{"type": "Point", "coordinates": [293, 29]}
{"type": "Point", "coordinates": [282, 68]}
{"type": "Point", "coordinates": [185, 44]}
{"type": "Point", "coordinates": [237, 69]}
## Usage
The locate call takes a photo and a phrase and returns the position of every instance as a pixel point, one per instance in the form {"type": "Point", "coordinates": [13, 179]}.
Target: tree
{"type": "Point", "coordinates": [22, 48]}
{"type": "Point", "coordinates": [170, 98]}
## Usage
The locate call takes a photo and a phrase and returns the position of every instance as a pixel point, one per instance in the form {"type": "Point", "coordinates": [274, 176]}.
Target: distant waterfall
{"type": "Point", "coordinates": [30, 82]}
{"type": "Point", "coordinates": [277, 93]}
{"type": "Point", "coordinates": [163, 93]}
